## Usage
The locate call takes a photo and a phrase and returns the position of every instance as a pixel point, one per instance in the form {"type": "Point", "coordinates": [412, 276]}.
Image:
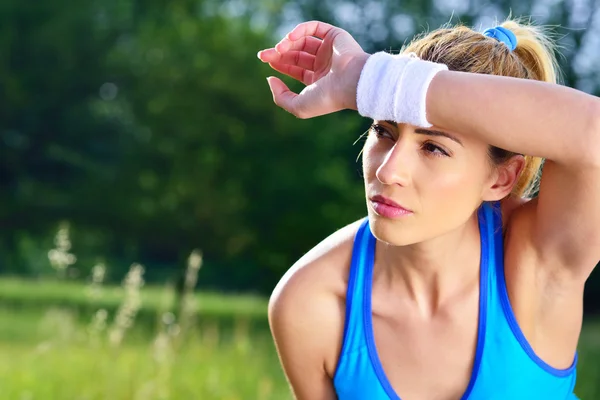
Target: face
{"type": "Point", "coordinates": [439, 180]}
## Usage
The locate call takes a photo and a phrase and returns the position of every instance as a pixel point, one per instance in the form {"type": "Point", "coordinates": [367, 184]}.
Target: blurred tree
{"type": "Point", "coordinates": [56, 152]}
{"type": "Point", "coordinates": [221, 167]}
{"type": "Point", "coordinates": [149, 125]}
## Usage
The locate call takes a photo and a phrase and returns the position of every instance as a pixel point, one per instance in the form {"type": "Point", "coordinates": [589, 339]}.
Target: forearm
{"type": "Point", "coordinates": [523, 116]}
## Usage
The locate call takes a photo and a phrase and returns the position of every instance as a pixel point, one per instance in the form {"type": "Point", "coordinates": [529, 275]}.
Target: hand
{"type": "Point", "coordinates": [325, 58]}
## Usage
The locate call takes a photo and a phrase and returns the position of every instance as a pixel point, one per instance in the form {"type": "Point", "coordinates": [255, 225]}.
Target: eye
{"type": "Point", "coordinates": [380, 131]}
{"type": "Point", "coordinates": [434, 150]}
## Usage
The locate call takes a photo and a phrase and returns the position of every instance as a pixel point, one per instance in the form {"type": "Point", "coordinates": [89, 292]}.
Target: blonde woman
{"type": "Point", "coordinates": [457, 284]}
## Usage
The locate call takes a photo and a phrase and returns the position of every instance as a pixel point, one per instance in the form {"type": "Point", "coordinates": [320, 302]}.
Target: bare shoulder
{"type": "Point", "coordinates": [307, 307]}
{"type": "Point", "coordinates": [321, 268]}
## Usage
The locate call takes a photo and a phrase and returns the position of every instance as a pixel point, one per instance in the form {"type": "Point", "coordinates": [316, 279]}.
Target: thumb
{"type": "Point", "coordinates": [283, 96]}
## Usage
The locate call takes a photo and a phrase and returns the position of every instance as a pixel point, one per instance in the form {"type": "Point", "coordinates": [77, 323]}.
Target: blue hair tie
{"type": "Point", "coordinates": [503, 35]}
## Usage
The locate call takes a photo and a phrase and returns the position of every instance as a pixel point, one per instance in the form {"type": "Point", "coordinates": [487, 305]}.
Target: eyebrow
{"type": "Point", "coordinates": [432, 133]}
{"type": "Point", "coordinates": [438, 133]}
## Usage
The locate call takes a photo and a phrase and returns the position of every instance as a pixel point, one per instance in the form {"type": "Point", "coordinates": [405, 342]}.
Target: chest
{"type": "Point", "coordinates": [427, 359]}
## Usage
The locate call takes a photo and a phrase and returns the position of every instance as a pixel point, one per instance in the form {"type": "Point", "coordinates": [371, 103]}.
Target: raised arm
{"type": "Point", "coordinates": [520, 115]}
{"type": "Point", "coordinates": [551, 121]}
{"type": "Point", "coordinates": [530, 117]}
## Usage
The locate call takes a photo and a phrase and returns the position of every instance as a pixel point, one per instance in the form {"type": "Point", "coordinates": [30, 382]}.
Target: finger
{"type": "Point", "coordinates": [299, 59]}
{"type": "Point", "coordinates": [297, 73]}
{"type": "Point", "coordinates": [268, 55]}
{"type": "Point", "coordinates": [308, 44]}
{"type": "Point", "coordinates": [295, 58]}
{"type": "Point", "coordinates": [311, 28]}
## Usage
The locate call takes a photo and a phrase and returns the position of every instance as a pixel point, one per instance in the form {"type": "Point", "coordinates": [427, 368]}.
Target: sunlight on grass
{"type": "Point", "coordinates": [74, 294]}
{"type": "Point", "coordinates": [67, 340]}
{"type": "Point", "coordinates": [53, 354]}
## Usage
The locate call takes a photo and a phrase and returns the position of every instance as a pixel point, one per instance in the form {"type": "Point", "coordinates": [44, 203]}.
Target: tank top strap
{"type": "Point", "coordinates": [360, 267]}
{"type": "Point", "coordinates": [492, 242]}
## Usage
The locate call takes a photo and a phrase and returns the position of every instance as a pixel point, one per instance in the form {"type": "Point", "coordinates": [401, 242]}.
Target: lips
{"type": "Point", "coordinates": [389, 202]}
{"type": "Point", "coordinates": [388, 208]}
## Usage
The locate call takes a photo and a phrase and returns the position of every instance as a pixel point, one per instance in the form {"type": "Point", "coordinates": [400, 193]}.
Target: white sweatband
{"type": "Point", "coordinates": [393, 87]}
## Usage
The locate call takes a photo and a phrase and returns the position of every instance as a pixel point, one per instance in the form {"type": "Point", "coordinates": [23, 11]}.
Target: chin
{"type": "Point", "coordinates": [392, 232]}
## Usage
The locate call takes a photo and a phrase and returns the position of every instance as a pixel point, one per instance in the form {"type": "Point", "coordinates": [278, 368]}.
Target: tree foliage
{"type": "Point", "coordinates": [149, 126]}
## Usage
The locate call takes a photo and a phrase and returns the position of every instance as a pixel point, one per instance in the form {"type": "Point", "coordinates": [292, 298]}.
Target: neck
{"type": "Point", "coordinates": [434, 272]}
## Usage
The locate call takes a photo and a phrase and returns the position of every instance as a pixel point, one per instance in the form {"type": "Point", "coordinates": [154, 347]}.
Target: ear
{"type": "Point", "coordinates": [503, 178]}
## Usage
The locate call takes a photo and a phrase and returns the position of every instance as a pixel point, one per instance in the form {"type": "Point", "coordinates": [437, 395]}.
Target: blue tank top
{"type": "Point", "coordinates": [505, 365]}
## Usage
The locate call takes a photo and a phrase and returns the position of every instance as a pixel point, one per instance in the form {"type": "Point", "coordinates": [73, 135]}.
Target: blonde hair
{"type": "Point", "coordinates": [463, 49]}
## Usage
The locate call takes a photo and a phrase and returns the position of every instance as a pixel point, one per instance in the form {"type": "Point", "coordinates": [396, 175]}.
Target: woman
{"type": "Point", "coordinates": [457, 284]}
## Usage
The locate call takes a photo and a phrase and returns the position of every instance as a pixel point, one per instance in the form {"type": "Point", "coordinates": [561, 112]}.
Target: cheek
{"type": "Point", "coordinates": [454, 177]}
{"type": "Point", "coordinates": [444, 180]}
{"type": "Point", "coordinates": [450, 195]}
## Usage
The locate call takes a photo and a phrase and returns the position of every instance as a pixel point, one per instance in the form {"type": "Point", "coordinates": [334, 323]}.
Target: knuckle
{"type": "Point", "coordinates": [334, 33]}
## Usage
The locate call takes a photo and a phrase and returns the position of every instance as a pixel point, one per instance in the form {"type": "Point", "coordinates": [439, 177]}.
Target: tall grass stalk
{"type": "Point", "coordinates": [60, 257]}
{"type": "Point", "coordinates": [132, 302]}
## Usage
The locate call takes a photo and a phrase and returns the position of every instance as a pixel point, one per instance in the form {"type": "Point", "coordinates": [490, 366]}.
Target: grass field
{"type": "Point", "coordinates": [58, 341]}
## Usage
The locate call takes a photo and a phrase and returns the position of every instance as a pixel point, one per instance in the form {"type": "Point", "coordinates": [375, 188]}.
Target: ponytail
{"type": "Point", "coordinates": [535, 50]}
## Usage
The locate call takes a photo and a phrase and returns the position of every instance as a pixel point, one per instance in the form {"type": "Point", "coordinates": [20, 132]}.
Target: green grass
{"type": "Point", "coordinates": [47, 351]}
{"type": "Point", "coordinates": [51, 355]}
{"type": "Point", "coordinates": [154, 298]}
{"type": "Point", "coordinates": [51, 370]}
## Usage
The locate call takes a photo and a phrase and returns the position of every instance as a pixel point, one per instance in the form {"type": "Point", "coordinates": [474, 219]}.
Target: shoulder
{"type": "Point", "coordinates": [321, 271]}
{"type": "Point", "coordinates": [307, 307]}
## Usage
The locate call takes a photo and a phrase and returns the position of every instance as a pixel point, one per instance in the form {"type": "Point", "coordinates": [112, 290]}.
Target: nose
{"type": "Point", "coordinates": [396, 166]}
